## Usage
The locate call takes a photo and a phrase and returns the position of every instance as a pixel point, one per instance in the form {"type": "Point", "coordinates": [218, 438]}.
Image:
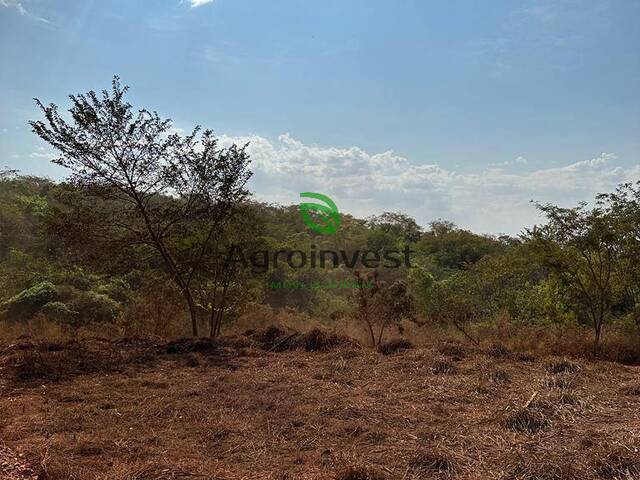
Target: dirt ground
{"type": "Point", "coordinates": [241, 409]}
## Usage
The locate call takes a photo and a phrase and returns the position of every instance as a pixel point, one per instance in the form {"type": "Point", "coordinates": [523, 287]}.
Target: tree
{"type": "Point", "coordinates": [449, 248]}
{"type": "Point", "coordinates": [160, 187]}
{"type": "Point", "coordinates": [381, 305]}
{"type": "Point", "coordinates": [401, 226]}
{"type": "Point", "coordinates": [224, 287]}
{"type": "Point", "coordinates": [623, 206]}
{"type": "Point", "coordinates": [581, 248]}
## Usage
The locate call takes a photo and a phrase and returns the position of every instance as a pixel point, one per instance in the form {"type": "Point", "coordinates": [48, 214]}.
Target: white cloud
{"type": "Point", "coordinates": [516, 161]}
{"type": "Point", "coordinates": [199, 3]}
{"type": "Point", "coordinates": [14, 4]}
{"type": "Point", "coordinates": [17, 4]}
{"type": "Point", "coordinates": [43, 153]}
{"type": "Point", "coordinates": [491, 201]}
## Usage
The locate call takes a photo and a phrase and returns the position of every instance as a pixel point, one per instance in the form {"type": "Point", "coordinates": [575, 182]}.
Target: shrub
{"type": "Point", "coordinates": [561, 381]}
{"type": "Point", "coordinates": [188, 345]}
{"type": "Point", "coordinates": [77, 279]}
{"type": "Point", "coordinates": [94, 307]}
{"type": "Point", "coordinates": [28, 302]}
{"type": "Point", "coordinates": [116, 289]}
{"type": "Point", "coordinates": [59, 312]}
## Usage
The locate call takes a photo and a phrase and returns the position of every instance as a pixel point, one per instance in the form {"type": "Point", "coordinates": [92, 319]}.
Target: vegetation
{"type": "Point", "coordinates": [140, 240]}
{"type": "Point", "coordinates": [62, 259]}
{"type": "Point", "coordinates": [154, 185]}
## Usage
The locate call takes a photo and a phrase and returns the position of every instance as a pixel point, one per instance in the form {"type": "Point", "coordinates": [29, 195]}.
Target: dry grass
{"type": "Point", "coordinates": [562, 366]}
{"type": "Point", "coordinates": [454, 351]}
{"type": "Point", "coordinates": [426, 463]}
{"type": "Point", "coordinates": [359, 473]}
{"type": "Point", "coordinates": [623, 464]}
{"type": "Point", "coordinates": [315, 407]}
{"type": "Point", "coordinates": [498, 350]}
{"type": "Point", "coordinates": [445, 367]}
{"type": "Point", "coordinates": [526, 421]}
{"type": "Point", "coordinates": [393, 346]}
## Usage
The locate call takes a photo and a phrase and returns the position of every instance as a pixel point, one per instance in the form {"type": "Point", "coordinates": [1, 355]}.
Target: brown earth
{"type": "Point", "coordinates": [263, 407]}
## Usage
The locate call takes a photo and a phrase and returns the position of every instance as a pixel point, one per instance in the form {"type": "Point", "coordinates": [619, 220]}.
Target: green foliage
{"type": "Point", "coordinates": [578, 267]}
{"type": "Point", "coordinates": [446, 248]}
{"type": "Point", "coordinates": [398, 226]}
{"type": "Point", "coordinates": [117, 289]}
{"type": "Point", "coordinates": [59, 312]}
{"type": "Point", "coordinates": [142, 184]}
{"type": "Point", "coordinates": [582, 249]}
{"type": "Point", "coordinates": [94, 307]}
{"type": "Point", "coordinates": [28, 302]}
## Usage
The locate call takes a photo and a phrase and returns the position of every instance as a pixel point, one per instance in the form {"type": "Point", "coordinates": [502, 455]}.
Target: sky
{"type": "Point", "coordinates": [455, 109]}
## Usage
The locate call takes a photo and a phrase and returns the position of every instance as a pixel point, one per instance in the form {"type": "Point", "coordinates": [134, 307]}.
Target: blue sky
{"type": "Point", "coordinates": [464, 110]}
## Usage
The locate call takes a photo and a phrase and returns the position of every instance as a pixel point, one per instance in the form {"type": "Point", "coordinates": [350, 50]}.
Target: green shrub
{"type": "Point", "coordinates": [77, 279]}
{"type": "Point", "coordinates": [95, 307]}
{"type": "Point", "coordinates": [59, 311]}
{"type": "Point", "coordinates": [117, 289]}
{"type": "Point", "coordinates": [28, 302]}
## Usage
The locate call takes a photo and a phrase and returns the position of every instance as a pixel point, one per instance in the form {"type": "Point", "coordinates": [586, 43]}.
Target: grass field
{"type": "Point", "coordinates": [263, 407]}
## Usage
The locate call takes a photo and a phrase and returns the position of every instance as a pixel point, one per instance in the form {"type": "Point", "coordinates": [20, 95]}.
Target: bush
{"type": "Point", "coordinates": [95, 307]}
{"type": "Point", "coordinates": [28, 302]}
{"type": "Point", "coordinates": [59, 312]}
{"type": "Point", "coordinates": [116, 289]}
{"type": "Point", "coordinates": [77, 279]}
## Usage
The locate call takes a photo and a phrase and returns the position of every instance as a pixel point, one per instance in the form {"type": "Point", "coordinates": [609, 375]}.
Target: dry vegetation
{"type": "Point", "coordinates": [273, 404]}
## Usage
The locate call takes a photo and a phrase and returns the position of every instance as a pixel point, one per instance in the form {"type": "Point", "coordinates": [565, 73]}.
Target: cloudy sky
{"type": "Point", "coordinates": [462, 110]}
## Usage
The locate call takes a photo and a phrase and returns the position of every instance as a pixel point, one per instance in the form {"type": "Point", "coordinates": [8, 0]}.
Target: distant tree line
{"type": "Point", "coordinates": [137, 237]}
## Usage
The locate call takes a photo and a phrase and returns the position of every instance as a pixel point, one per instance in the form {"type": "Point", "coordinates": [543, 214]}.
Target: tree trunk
{"type": "Point", "coordinates": [192, 312]}
{"type": "Point", "coordinates": [212, 322]}
{"type": "Point", "coordinates": [215, 322]}
{"type": "Point", "coordinates": [598, 331]}
{"type": "Point", "coordinates": [219, 323]}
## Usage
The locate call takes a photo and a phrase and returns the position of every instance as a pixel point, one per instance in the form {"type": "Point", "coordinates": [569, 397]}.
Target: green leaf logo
{"type": "Point", "coordinates": [327, 217]}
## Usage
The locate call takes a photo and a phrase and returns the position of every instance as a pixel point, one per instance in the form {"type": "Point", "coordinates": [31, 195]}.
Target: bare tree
{"type": "Point", "coordinates": [169, 192]}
